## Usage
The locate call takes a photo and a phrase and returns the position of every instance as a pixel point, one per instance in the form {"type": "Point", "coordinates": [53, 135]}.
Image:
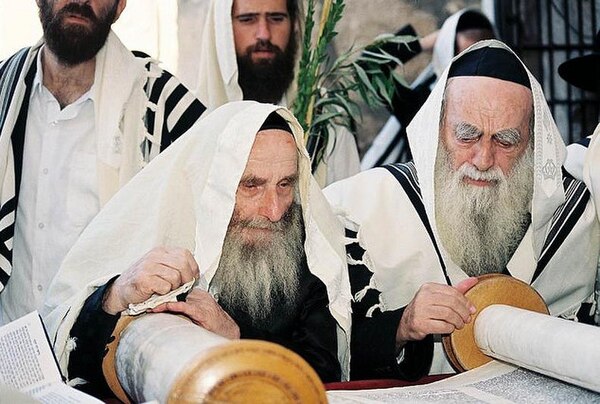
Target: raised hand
{"type": "Point", "coordinates": [159, 271]}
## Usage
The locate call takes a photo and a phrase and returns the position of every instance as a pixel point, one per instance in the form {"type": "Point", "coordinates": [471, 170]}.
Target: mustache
{"type": "Point", "coordinates": [263, 46]}
{"type": "Point", "coordinates": [82, 10]}
{"type": "Point", "coordinates": [470, 171]}
{"type": "Point", "coordinates": [261, 223]}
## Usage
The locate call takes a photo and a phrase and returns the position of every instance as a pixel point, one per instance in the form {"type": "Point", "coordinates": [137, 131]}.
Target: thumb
{"type": "Point", "coordinates": [466, 284]}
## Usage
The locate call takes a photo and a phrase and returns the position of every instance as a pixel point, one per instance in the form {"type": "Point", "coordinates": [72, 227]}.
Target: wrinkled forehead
{"type": "Point", "coordinates": [486, 100]}
{"type": "Point", "coordinates": [273, 147]}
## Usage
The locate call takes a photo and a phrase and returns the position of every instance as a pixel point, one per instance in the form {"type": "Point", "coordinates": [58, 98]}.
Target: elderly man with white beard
{"type": "Point", "coordinates": [268, 253]}
{"type": "Point", "coordinates": [485, 194]}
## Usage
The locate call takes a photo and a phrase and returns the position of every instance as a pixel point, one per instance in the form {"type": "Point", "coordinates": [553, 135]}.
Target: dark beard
{"type": "Point", "coordinates": [261, 279]}
{"type": "Point", "coordinates": [268, 80]}
{"type": "Point", "coordinates": [72, 43]}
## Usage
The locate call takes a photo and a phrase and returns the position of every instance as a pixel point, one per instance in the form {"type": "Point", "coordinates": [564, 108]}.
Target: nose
{"type": "Point", "coordinates": [483, 155]}
{"type": "Point", "coordinates": [273, 206]}
{"type": "Point", "coordinates": [263, 31]}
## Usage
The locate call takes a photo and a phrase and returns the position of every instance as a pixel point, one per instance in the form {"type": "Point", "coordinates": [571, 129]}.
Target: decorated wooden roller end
{"type": "Point", "coordinates": [460, 346]}
{"type": "Point", "coordinates": [249, 371]}
{"type": "Point", "coordinates": [167, 358]}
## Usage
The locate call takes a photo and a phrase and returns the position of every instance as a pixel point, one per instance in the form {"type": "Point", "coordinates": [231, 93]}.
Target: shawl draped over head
{"type": "Point", "coordinates": [218, 84]}
{"type": "Point", "coordinates": [443, 50]}
{"type": "Point", "coordinates": [218, 75]}
{"type": "Point", "coordinates": [399, 251]}
{"type": "Point", "coordinates": [185, 198]}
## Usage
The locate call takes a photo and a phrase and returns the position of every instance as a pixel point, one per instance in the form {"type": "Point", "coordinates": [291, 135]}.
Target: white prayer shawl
{"type": "Point", "coordinates": [121, 104]}
{"type": "Point", "coordinates": [591, 177]}
{"type": "Point", "coordinates": [400, 253]}
{"type": "Point", "coordinates": [218, 84]}
{"type": "Point", "coordinates": [185, 198]}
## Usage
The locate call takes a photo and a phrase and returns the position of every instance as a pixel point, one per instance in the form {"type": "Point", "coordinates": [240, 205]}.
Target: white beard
{"type": "Point", "coordinates": [481, 227]}
{"type": "Point", "coordinates": [257, 277]}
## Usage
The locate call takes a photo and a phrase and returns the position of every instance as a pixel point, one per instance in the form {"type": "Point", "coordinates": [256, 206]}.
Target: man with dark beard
{"type": "Point", "coordinates": [268, 251]}
{"type": "Point", "coordinates": [80, 116]}
{"type": "Point", "coordinates": [485, 194]}
{"type": "Point", "coordinates": [249, 51]}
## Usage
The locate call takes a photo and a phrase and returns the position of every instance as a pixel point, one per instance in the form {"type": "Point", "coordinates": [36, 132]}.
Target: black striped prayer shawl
{"type": "Point", "coordinates": [174, 110]}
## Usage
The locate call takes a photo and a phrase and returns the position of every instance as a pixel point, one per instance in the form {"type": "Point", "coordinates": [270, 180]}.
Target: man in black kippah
{"type": "Point", "coordinates": [485, 194]}
{"type": "Point", "coordinates": [263, 284]}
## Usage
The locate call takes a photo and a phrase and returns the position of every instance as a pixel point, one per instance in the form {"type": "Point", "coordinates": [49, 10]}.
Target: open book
{"type": "Point", "coordinates": [28, 365]}
{"type": "Point", "coordinates": [493, 383]}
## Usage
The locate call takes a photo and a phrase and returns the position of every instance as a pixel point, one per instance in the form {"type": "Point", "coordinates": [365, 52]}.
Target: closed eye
{"type": "Point", "coordinates": [508, 137]}
{"type": "Point", "coordinates": [247, 18]}
{"type": "Point", "coordinates": [465, 132]}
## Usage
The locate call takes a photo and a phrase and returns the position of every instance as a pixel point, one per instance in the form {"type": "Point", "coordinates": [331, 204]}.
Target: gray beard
{"type": "Point", "coordinates": [257, 278]}
{"type": "Point", "coordinates": [481, 227]}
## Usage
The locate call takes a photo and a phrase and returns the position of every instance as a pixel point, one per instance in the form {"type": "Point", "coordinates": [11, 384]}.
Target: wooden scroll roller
{"type": "Point", "coordinates": [460, 346]}
{"type": "Point", "coordinates": [511, 324]}
{"type": "Point", "coordinates": [167, 358]}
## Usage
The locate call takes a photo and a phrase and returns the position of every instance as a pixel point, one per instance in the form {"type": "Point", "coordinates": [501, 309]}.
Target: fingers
{"type": "Point", "coordinates": [432, 294]}
{"type": "Point", "coordinates": [159, 271]}
{"type": "Point", "coordinates": [466, 284]}
{"type": "Point", "coordinates": [178, 259]}
{"type": "Point", "coordinates": [203, 310]}
{"type": "Point", "coordinates": [435, 309]}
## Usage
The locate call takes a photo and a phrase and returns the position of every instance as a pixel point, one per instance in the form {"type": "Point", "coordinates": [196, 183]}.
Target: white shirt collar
{"type": "Point", "coordinates": [38, 81]}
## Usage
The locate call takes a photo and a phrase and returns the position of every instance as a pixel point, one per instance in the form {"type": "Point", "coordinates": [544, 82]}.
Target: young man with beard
{"type": "Point", "coordinates": [268, 251]}
{"type": "Point", "coordinates": [249, 52]}
{"type": "Point", "coordinates": [79, 116]}
{"type": "Point", "coordinates": [485, 194]}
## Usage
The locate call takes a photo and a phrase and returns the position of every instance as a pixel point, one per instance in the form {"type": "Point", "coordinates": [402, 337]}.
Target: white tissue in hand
{"type": "Point", "coordinates": [156, 300]}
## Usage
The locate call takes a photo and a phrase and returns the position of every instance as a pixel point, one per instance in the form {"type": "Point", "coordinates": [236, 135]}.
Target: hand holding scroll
{"type": "Point", "coordinates": [159, 271]}
{"type": "Point", "coordinates": [203, 309]}
{"type": "Point", "coordinates": [435, 309]}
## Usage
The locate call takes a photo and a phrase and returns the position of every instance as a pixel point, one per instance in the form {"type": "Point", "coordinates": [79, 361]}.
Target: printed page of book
{"type": "Point", "coordinates": [27, 364]}
{"type": "Point", "coordinates": [495, 382]}
{"type": "Point", "coordinates": [26, 359]}
{"type": "Point", "coordinates": [60, 393]}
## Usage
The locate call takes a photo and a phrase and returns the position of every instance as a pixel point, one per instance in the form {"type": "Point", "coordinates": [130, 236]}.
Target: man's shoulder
{"type": "Point", "coordinates": [16, 59]}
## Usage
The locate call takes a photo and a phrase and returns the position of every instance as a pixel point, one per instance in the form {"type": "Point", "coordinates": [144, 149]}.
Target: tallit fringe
{"type": "Point", "coordinates": [372, 309]}
{"type": "Point", "coordinates": [362, 293]}
{"type": "Point", "coordinates": [352, 261]}
{"type": "Point", "coordinates": [571, 314]}
{"type": "Point", "coordinates": [71, 345]}
{"type": "Point", "coordinates": [350, 240]}
{"type": "Point", "coordinates": [78, 381]}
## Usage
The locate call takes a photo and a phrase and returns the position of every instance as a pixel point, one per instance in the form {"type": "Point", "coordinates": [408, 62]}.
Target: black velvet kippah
{"type": "Point", "coordinates": [473, 20]}
{"type": "Point", "coordinates": [275, 121]}
{"type": "Point", "coordinates": [491, 62]}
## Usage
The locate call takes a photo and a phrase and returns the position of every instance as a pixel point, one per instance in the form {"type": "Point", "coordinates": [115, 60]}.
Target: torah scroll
{"type": "Point", "coordinates": [167, 358]}
{"type": "Point", "coordinates": [511, 324]}
{"type": "Point", "coordinates": [559, 348]}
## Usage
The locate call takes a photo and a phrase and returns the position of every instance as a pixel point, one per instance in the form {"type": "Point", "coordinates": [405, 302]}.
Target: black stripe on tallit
{"type": "Point", "coordinates": [18, 133]}
{"type": "Point", "coordinates": [406, 175]}
{"type": "Point", "coordinates": [565, 219]}
{"type": "Point", "coordinates": [185, 121]}
{"type": "Point", "coordinates": [17, 62]}
{"type": "Point", "coordinates": [155, 93]}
